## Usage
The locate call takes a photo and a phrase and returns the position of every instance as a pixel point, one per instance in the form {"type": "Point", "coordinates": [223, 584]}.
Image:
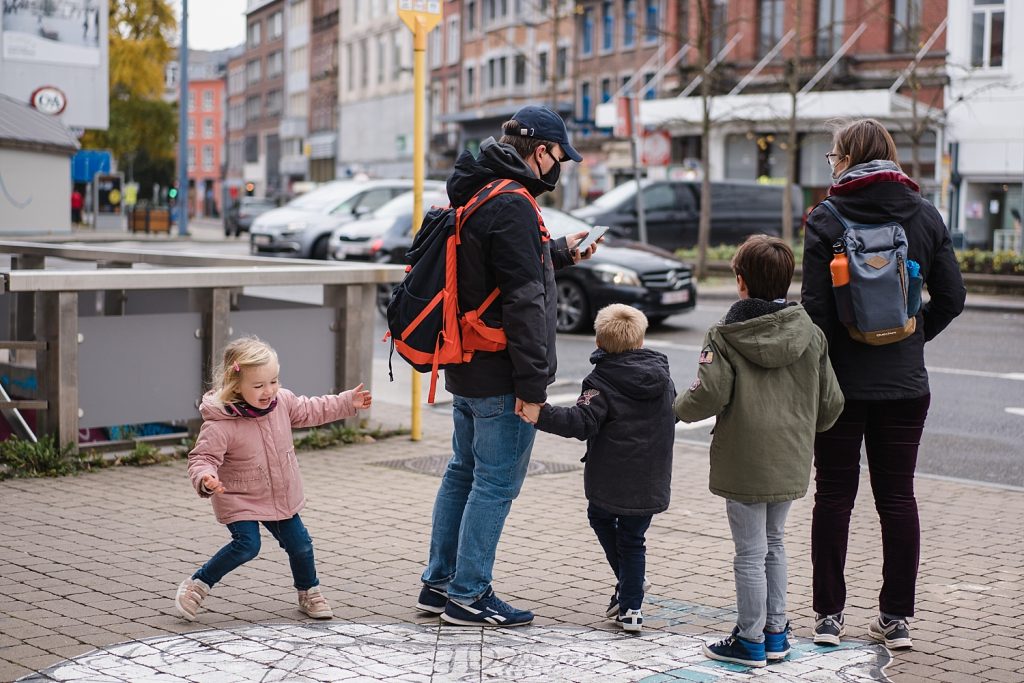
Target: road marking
{"type": "Point", "coordinates": [559, 399]}
{"type": "Point", "coordinates": [1017, 376]}
{"type": "Point", "coordinates": [1016, 411]}
{"type": "Point", "coordinates": [663, 344]}
{"type": "Point", "coordinates": [699, 424]}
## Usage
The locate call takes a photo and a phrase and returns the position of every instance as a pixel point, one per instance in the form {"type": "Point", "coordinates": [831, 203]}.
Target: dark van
{"type": "Point", "coordinates": [738, 208]}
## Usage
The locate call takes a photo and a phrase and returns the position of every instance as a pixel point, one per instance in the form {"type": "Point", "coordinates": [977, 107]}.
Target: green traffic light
{"type": "Point", "coordinates": [172, 193]}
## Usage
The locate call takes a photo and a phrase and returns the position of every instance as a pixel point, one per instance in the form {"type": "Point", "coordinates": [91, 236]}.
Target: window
{"type": "Point", "coordinates": [651, 21]}
{"type": "Point", "coordinates": [520, 71]}
{"type": "Point", "coordinates": [585, 103]}
{"type": "Point", "coordinates": [191, 128]}
{"type": "Point", "coordinates": [274, 103]}
{"type": "Point", "coordinates": [252, 108]}
{"type": "Point", "coordinates": [452, 103]}
{"type": "Point", "coordinates": [255, 29]}
{"type": "Point", "coordinates": [236, 117]}
{"type": "Point", "coordinates": [562, 65]}
{"type": "Point", "coordinates": [253, 72]}
{"type": "Point", "coordinates": [275, 64]}
{"type": "Point", "coordinates": [906, 25]}
{"type": "Point", "coordinates": [988, 22]}
{"type": "Point", "coordinates": [252, 149]}
{"type": "Point", "coordinates": [719, 15]}
{"type": "Point", "coordinates": [396, 54]}
{"type": "Point", "coordinates": [434, 47]}
{"type": "Point", "coordinates": [607, 25]}
{"type": "Point", "coordinates": [470, 82]}
{"type": "Point", "coordinates": [207, 127]}
{"type": "Point", "coordinates": [831, 14]}
{"type": "Point", "coordinates": [660, 197]}
{"type": "Point", "coordinates": [629, 24]}
{"type": "Point", "coordinates": [207, 100]}
{"type": "Point", "coordinates": [470, 11]}
{"type": "Point", "coordinates": [769, 25]}
{"type": "Point", "coordinates": [207, 157]}
{"type": "Point", "coordinates": [494, 11]}
{"type": "Point", "coordinates": [454, 40]}
{"type": "Point", "coordinates": [364, 63]}
{"type": "Point", "coordinates": [606, 90]}
{"type": "Point", "coordinates": [275, 25]}
{"type": "Point", "coordinates": [649, 93]}
{"type": "Point", "coordinates": [382, 57]}
{"type": "Point", "coordinates": [587, 44]}
{"type": "Point", "coordinates": [542, 67]}
{"type": "Point", "coordinates": [298, 59]}
{"type": "Point", "coordinates": [350, 68]}
{"type": "Point", "coordinates": [191, 158]}
{"type": "Point", "coordinates": [191, 101]}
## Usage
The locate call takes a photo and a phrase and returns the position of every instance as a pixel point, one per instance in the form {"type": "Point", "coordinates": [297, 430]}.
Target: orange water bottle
{"type": "Point", "coordinates": [840, 267]}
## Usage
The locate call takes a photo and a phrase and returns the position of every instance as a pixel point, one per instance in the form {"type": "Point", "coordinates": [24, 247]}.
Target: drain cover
{"type": "Point", "coordinates": [435, 465]}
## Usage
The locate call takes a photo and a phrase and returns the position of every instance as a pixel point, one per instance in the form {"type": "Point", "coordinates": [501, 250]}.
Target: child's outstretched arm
{"type": "Point", "coordinates": [206, 458]}
{"type": "Point", "coordinates": [580, 421]}
{"type": "Point", "coordinates": [711, 392]}
{"type": "Point", "coordinates": [312, 411]}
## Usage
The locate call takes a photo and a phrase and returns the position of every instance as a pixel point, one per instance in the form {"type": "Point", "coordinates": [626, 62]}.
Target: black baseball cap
{"type": "Point", "coordinates": [544, 124]}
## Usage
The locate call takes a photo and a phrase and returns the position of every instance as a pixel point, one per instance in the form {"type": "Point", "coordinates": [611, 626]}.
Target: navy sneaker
{"type": "Point", "coordinates": [613, 606]}
{"type": "Point", "coordinates": [737, 650]}
{"type": "Point", "coordinates": [893, 633]}
{"type": "Point", "coordinates": [776, 645]}
{"type": "Point", "coordinates": [489, 610]}
{"type": "Point", "coordinates": [432, 600]}
{"type": "Point", "coordinates": [632, 620]}
{"type": "Point", "coordinates": [828, 628]}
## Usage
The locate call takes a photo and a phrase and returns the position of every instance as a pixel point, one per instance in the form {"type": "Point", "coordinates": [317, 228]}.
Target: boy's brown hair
{"type": "Point", "coordinates": [864, 140]}
{"type": "Point", "coordinates": [620, 328]}
{"type": "Point", "coordinates": [766, 264]}
{"type": "Point", "coordinates": [523, 145]}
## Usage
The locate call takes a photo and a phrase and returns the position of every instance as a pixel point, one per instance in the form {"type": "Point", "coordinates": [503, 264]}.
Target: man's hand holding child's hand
{"type": "Point", "coordinates": [212, 484]}
{"type": "Point", "coordinates": [361, 398]}
{"type": "Point", "coordinates": [530, 412]}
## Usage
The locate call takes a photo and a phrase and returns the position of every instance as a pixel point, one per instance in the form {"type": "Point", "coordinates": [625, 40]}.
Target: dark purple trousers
{"type": "Point", "coordinates": [891, 432]}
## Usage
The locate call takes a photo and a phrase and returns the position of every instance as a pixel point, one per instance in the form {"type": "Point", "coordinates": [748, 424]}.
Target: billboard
{"type": "Point", "coordinates": [54, 56]}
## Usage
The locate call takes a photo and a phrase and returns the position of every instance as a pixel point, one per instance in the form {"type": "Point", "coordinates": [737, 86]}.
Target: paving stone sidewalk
{"type": "Point", "coordinates": [89, 566]}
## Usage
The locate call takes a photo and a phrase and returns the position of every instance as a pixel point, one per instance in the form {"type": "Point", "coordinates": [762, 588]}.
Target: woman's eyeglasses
{"type": "Point", "coordinates": [829, 156]}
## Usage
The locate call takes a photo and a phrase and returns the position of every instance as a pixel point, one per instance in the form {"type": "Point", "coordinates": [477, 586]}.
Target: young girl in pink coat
{"type": "Point", "coordinates": [244, 461]}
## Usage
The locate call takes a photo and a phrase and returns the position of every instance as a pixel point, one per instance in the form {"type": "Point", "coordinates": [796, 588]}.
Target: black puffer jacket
{"type": "Point", "coordinates": [875, 192]}
{"type": "Point", "coordinates": [501, 247]}
{"type": "Point", "coordinates": [625, 414]}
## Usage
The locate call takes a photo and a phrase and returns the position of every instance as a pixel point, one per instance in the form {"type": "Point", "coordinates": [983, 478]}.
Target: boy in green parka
{"type": "Point", "coordinates": [764, 372]}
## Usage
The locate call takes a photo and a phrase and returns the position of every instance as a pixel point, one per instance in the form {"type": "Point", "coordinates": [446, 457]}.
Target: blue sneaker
{"type": "Point", "coordinates": [432, 600]}
{"type": "Point", "coordinates": [737, 650]}
{"type": "Point", "coordinates": [776, 645]}
{"type": "Point", "coordinates": [489, 610]}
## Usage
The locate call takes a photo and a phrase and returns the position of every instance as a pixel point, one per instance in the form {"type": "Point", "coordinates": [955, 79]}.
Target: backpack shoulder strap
{"type": "Point", "coordinates": [835, 212]}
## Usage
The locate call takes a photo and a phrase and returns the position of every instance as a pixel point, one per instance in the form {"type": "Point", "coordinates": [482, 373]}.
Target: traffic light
{"type": "Point", "coordinates": [172, 192]}
{"type": "Point", "coordinates": [250, 187]}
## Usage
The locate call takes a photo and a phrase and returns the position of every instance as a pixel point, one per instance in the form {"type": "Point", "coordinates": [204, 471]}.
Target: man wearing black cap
{"type": "Point", "coordinates": [504, 245]}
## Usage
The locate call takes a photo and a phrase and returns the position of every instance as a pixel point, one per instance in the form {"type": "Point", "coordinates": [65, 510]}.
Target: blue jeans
{"type": "Point", "coordinates": [490, 453]}
{"type": "Point", "coordinates": [291, 534]}
{"type": "Point", "coordinates": [759, 566]}
{"type": "Point", "coordinates": [622, 537]}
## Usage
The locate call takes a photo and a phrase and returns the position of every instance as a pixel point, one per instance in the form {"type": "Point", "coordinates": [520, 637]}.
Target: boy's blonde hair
{"type": "Point", "coordinates": [247, 352]}
{"type": "Point", "coordinates": [620, 328]}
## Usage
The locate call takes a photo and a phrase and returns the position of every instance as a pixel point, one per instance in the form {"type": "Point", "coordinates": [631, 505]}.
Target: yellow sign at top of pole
{"type": "Point", "coordinates": [423, 13]}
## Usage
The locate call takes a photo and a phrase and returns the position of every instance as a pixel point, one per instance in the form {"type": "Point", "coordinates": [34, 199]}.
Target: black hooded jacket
{"type": "Point", "coordinates": [875, 192]}
{"type": "Point", "coordinates": [501, 247]}
{"type": "Point", "coordinates": [625, 413]}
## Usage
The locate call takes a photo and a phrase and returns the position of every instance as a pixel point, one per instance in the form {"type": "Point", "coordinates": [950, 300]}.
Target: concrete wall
{"type": "Point", "coordinates": [35, 192]}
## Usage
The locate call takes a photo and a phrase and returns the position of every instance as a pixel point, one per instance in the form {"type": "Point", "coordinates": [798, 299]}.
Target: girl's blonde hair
{"type": "Point", "coordinates": [247, 352]}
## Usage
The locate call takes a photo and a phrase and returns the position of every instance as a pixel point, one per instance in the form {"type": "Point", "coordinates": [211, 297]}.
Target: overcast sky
{"type": "Point", "coordinates": [214, 24]}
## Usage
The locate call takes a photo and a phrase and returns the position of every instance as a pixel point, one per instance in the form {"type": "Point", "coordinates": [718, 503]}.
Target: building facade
{"type": "Point", "coordinates": [294, 129]}
{"type": "Point", "coordinates": [986, 134]}
{"type": "Point", "coordinates": [323, 91]}
{"type": "Point", "coordinates": [264, 97]}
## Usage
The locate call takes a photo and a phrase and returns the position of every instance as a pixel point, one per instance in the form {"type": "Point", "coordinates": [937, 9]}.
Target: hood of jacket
{"type": "Point", "coordinates": [495, 161]}
{"type": "Point", "coordinates": [212, 409]}
{"type": "Point", "coordinates": [892, 193]}
{"type": "Point", "coordinates": [639, 374]}
{"type": "Point", "coordinates": [768, 334]}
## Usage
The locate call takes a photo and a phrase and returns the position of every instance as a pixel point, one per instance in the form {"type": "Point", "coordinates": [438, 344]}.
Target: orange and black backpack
{"type": "Point", "coordinates": [424, 321]}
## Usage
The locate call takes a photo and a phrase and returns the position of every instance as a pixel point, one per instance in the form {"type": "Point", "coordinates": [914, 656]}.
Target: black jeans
{"type": "Point", "coordinates": [622, 537]}
{"type": "Point", "coordinates": [891, 432]}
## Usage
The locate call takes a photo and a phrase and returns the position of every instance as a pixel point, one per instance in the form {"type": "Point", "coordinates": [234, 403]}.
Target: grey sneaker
{"type": "Point", "coordinates": [313, 604]}
{"type": "Point", "coordinates": [189, 598]}
{"type": "Point", "coordinates": [829, 628]}
{"type": "Point", "coordinates": [894, 634]}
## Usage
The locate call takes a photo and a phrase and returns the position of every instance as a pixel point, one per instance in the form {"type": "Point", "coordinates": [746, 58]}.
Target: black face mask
{"type": "Point", "coordinates": [551, 177]}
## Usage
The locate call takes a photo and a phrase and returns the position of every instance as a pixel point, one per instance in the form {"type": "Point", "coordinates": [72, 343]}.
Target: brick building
{"type": "Point", "coordinates": [323, 90]}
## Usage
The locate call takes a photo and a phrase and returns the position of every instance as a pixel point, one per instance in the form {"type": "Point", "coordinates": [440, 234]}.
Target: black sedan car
{"type": "Point", "coordinates": [621, 271]}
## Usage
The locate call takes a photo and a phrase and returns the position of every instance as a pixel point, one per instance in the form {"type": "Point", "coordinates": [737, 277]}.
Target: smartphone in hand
{"type": "Point", "coordinates": [595, 234]}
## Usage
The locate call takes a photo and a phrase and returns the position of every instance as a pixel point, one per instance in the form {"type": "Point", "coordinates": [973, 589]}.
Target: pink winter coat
{"type": "Point", "coordinates": [254, 457]}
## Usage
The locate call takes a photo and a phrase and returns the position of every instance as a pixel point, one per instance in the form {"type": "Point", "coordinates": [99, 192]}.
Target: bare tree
{"type": "Point", "coordinates": [793, 69]}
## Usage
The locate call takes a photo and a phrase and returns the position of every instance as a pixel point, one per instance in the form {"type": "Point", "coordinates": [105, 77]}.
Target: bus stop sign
{"type": "Point", "coordinates": [425, 13]}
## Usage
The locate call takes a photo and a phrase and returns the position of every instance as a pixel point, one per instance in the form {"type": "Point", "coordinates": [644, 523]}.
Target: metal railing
{"type": "Point", "coordinates": [110, 344]}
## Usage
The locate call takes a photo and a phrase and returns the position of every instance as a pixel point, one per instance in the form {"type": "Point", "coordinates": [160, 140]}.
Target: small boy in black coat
{"type": "Point", "coordinates": [625, 414]}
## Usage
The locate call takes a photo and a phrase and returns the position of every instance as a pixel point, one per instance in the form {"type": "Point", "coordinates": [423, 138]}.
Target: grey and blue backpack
{"type": "Point", "coordinates": [880, 302]}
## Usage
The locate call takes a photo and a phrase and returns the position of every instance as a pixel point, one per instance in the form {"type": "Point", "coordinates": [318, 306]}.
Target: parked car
{"type": "Point", "coordinates": [621, 271]}
{"type": "Point", "coordinates": [672, 208]}
{"type": "Point", "coordinates": [243, 211]}
{"type": "Point", "coordinates": [303, 226]}
{"type": "Point", "coordinates": [360, 240]}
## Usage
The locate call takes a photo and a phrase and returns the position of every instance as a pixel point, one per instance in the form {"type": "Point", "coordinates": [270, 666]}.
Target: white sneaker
{"type": "Point", "coordinates": [632, 620]}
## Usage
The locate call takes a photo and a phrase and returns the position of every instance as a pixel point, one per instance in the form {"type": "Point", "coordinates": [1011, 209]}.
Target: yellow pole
{"type": "Point", "coordinates": [419, 64]}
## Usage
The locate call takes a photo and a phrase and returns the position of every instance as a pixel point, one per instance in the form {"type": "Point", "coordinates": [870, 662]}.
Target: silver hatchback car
{"type": "Point", "coordinates": [302, 227]}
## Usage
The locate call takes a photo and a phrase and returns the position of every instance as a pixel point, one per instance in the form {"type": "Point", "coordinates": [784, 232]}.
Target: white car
{"type": "Point", "coordinates": [302, 227]}
{"type": "Point", "coordinates": [360, 240]}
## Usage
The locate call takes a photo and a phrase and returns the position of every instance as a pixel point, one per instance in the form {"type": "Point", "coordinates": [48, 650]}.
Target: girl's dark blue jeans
{"type": "Point", "coordinates": [622, 537]}
{"type": "Point", "coordinates": [290, 533]}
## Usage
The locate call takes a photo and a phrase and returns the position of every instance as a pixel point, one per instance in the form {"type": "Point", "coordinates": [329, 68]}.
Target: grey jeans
{"type": "Point", "coordinates": [759, 566]}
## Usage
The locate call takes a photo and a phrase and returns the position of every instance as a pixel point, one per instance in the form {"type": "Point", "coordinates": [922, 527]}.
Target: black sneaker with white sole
{"type": "Point", "coordinates": [828, 628]}
{"type": "Point", "coordinates": [489, 610]}
{"type": "Point", "coordinates": [431, 600]}
{"type": "Point", "coordinates": [893, 633]}
{"type": "Point", "coordinates": [613, 606]}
